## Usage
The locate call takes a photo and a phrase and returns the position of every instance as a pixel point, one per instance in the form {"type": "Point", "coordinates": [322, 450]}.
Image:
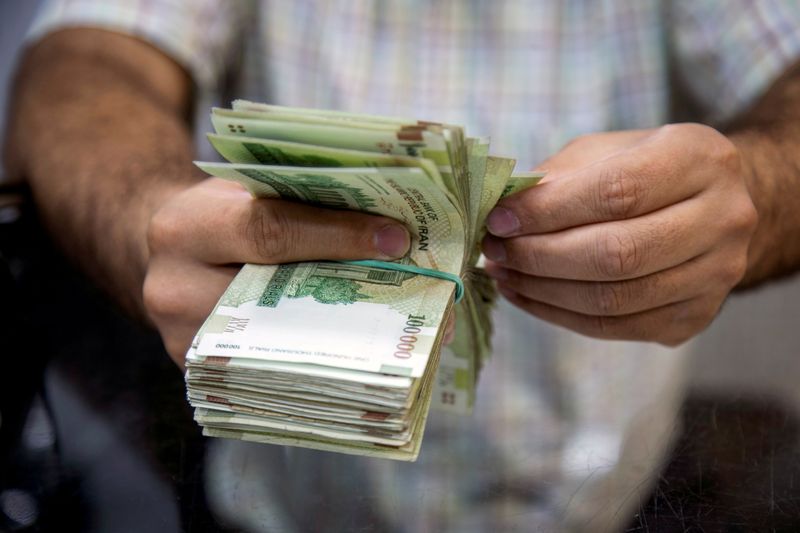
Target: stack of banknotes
{"type": "Point", "coordinates": [346, 356]}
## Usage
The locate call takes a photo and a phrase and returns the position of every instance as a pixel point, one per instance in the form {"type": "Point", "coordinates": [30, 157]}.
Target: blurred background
{"type": "Point", "coordinates": [87, 443]}
{"type": "Point", "coordinates": [94, 443]}
{"type": "Point", "coordinates": [15, 17]}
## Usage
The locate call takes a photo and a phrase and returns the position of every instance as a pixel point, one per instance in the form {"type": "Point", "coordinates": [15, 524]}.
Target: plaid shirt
{"type": "Point", "coordinates": [531, 74]}
{"type": "Point", "coordinates": [551, 409]}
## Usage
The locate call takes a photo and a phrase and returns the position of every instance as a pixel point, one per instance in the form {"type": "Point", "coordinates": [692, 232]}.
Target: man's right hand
{"type": "Point", "coordinates": [201, 235]}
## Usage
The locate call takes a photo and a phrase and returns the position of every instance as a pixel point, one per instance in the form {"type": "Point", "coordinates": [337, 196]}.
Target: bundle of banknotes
{"type": "Point", "coordinates": [347, 356]}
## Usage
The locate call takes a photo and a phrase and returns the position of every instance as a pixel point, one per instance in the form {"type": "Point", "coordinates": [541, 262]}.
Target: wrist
{"type": "Point", "coordinates": [762, 255]}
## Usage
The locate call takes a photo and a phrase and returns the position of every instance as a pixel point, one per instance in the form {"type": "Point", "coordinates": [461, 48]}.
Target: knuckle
{"type": "Point", "coordinates": [618, 255]}
{"type": "Point", "coordinates": [270, 233]}
{"type": "Point", "coordinates": [724, 152]}
{"type": "Point", "coordinates": [686, 320]}
{"type": "Point", "coordinates": [732, 272]}
{"type": "Point", "coordinates": [578, 141]}
{"type": "Point", "coordinates": [744, 218]}
{"type": "Point", "coordinates": [607, 299]}
{"type": "Point", "coordinates": [740, 268]}
{"type": "Point", "coordinates": [687, 132]}
{"type": "Point", "coordinates": [165, 230]}
{"type": "Point", "coordinates": [620, 193]}
{"type": "Point", "coordinates": [714, 145]}
{"type": "Point", "coordinates": [160, 299]}
{"type": "Point", "coordinates": [670, 130]}
{"type": "Point", "coordinates": [150, 296]}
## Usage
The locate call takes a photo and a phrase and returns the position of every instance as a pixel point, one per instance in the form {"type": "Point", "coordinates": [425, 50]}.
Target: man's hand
{"type": "Point", "coordinates": [636, 235]}
{"type": "Point", "coordinates": [118, 190]}
{"type": "Point", "coordinates": [201, 235]}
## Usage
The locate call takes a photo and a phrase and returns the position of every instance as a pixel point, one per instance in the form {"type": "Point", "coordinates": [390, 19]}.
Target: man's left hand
{"type": "Point", "coordinates": [636, 235]}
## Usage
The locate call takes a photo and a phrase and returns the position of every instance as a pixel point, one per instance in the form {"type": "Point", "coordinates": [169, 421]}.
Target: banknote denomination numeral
{"type": "Point", "coordinates": [407, 341]}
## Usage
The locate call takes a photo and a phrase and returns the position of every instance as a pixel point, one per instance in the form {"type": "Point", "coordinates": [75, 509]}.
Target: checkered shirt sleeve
{"type": "Point", "coordinates": [729, 52]}
{"type": "Point", "coordinates": [201, 35]}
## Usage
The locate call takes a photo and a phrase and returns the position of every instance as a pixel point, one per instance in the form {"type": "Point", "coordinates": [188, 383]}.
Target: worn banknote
{"type": "Point", "coordinates": [347, 356]}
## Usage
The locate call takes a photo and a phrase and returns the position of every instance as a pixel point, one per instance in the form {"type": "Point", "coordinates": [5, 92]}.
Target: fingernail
{"type": "Point", "coordinates": [392, 240]}
{"type": "Point", "coordinates": [502, 222]}
{"type": "Point", "coordinates": [494, 248]}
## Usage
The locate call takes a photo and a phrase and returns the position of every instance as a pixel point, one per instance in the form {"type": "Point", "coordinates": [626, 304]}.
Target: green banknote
{"type": "Point", "coordinates": [344, 356]}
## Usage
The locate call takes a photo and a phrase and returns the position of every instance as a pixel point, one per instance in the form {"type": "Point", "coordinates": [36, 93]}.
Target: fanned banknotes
{"type": "Point", "coordinates": [341, 356]}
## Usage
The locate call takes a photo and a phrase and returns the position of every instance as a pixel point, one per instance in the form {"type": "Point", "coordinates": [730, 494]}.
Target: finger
{"type": "Point", "coordinates": [587, 149]}
{"type": "Point", "coordinates": [670, 325]}
{"type": "Point", "coordinates": [183, 293]}
{"type": "Point", "coordinates": [694, 278]}
{"type": "Point", "coordinates": [613, 250]}
{"type": "Point", "coordinates": [177, 344]}
{"type": "Point", "coordinates": [277, 231]}
{"type": "Point", "coordinates": [179, 296]}
{"type": "Point", "coordinates": [633, 182]}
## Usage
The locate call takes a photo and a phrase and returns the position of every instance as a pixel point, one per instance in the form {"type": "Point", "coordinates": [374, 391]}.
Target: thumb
{"type": "Point", "coordinates": [278, 231]}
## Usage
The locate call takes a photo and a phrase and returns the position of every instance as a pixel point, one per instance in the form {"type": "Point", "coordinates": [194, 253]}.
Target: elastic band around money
{"type": "Point", "coordinates": [412, 269]}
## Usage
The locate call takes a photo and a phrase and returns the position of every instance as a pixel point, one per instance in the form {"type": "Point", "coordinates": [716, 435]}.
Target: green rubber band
{"type": "Point", "coordinates": [412, 269]}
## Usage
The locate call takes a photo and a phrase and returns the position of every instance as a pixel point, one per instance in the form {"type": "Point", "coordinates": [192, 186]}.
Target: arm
{"type": "Point", "coordinates": [99, 130]}
{"type": "Point", "coordinates": [768, 138]}
{"type": "Point", "coordinates": [641, 235]}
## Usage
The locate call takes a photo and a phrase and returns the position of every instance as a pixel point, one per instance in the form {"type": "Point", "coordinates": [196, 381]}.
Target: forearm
{"type": "Point", "coordinates": [768, 138]}
{"type": "Point", "coordinates": [98, 129]}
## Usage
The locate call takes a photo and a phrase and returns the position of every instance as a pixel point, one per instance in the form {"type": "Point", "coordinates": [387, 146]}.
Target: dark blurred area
{"type": "Point", "coordinates": [96, 434]}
